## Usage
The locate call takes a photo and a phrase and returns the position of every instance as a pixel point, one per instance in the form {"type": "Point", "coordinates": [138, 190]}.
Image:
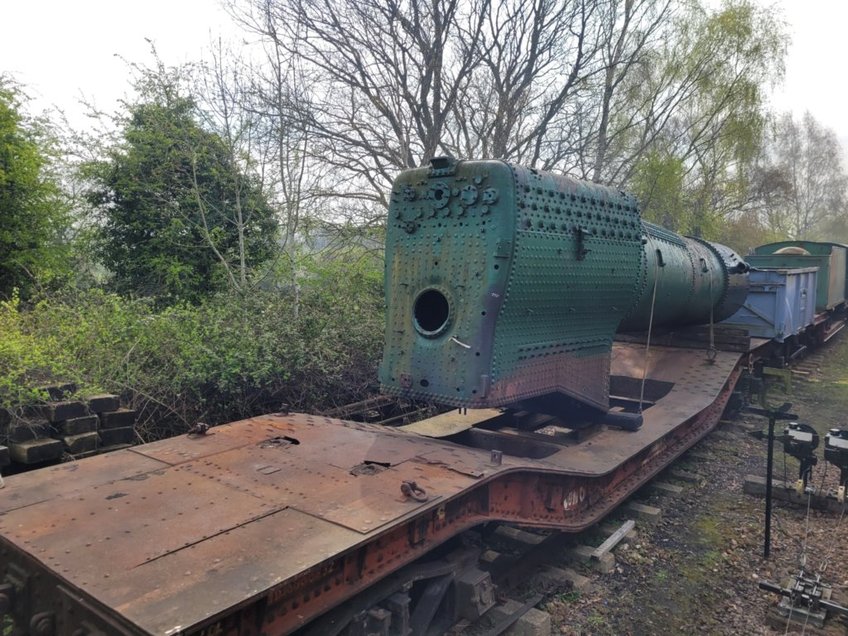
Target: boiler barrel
{"type": "Point", "coordinates": [696, 281]}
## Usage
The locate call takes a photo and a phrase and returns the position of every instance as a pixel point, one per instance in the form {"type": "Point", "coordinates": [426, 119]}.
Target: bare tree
{"type": "Point", "coordinates": [385, 75]}
{"type": "Point", "coordinates": [534, 57]}
{"type": "Point", "coordinates": [628, 40]}
{"type": "Point", "coordinates": [801, 178]}
{"type": "Point", "coordinates": [595, 88]}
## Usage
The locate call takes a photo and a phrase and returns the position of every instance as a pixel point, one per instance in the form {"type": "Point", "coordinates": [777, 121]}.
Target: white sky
{"type": "Point", "coordinates": [62, 50]}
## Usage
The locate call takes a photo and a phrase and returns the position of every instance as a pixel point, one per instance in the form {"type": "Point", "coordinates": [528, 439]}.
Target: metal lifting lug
{"type": "Point", "coordinates": [444, 166]}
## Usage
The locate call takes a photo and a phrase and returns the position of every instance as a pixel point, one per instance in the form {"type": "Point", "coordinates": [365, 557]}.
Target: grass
{"type": "Point", "coordinates": [569, 597]}
{"type": "Point", "coordinates": [596, 620]}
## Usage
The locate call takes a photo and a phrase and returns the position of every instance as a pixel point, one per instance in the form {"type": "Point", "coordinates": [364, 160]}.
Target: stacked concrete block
{"type": "Point", "coordinates": [58, 414]}
{"type": "Point", "coordinates": [102, 403]}
{"type": "Point", "coordinates": [77, 425]}
{"type": "Point", "coordinates": [59, 392]}
{"type": "Point", "coordinates": [78, 434]}
{"type": "Point", "coordinates": [80, 428]}
{"type": "Point", "coordinates": [117, 427]}
{"type": "Point", "coordinates": [36, 451]}
{"type": "Point", "coordinates": [28, 438]}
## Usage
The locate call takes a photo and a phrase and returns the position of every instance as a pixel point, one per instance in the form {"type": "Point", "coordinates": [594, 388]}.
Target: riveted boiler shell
{"type": "Point", "coordinates": [505, 283]}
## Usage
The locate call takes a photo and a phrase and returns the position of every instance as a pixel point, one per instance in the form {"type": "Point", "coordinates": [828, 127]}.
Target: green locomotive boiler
{"type": "Point", "coordinates": [506, 285]}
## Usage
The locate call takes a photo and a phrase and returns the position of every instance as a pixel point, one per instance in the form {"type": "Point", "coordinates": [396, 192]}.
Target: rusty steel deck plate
{"type": "Point", "coordinates": [171, 535]}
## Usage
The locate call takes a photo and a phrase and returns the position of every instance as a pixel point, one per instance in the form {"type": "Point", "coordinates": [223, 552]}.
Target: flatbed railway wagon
{"type": "Point", "coordinates": [505, 289]}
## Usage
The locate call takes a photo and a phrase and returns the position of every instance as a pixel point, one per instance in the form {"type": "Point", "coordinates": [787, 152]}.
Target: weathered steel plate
{"type": "Point", "coordinates": [56, 481]}
{"type": "Point", "coordinates": [227, 569]}
{"type": "Point", "coordinates": [171, 534]}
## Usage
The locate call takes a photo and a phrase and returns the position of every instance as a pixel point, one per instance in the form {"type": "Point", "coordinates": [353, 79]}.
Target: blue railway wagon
{"type": "Point", "coordinates": [781, 303]}
{"type": "Point", "coordinates": [830, 258]}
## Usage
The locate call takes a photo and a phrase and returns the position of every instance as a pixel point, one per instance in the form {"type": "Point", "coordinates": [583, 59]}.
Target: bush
{"type": "Point", "coordinates": [230, 357]}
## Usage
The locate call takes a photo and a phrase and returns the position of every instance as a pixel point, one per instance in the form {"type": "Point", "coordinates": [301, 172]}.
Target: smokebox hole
{"type": "Point", "coordinates": [431, 311]}
{"type": "Point", "coordinates": [425, 383]}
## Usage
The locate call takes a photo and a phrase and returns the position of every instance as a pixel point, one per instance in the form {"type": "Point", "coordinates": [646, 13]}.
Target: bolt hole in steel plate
{"type": "Point", "coordinates": [431, 313]}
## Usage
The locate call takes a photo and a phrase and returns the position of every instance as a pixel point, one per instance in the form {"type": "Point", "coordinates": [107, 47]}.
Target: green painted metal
{"type": "Point", "coordinates": [505, 283]}
{"type": "Point", "coordinates": [696, 281]}
{"type": "Point", "coordinates": [830, 258]}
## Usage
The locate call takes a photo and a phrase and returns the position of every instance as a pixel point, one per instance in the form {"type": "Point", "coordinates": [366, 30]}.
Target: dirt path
{"type": "Point", "coordinates": [697, 570]}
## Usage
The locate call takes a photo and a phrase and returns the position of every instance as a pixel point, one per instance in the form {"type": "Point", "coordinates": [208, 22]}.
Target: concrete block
{"type": "Point", "coordinates": [78, 425]}
{"type": "Point", "coordinates": [613, 540]}
{"type": "Point", "coordinates": [37, 450]}
{"type": "Point", "coordinates": [475, 593]}
{"type": "Point", "coordinates": [117, 419]}
{"type": "Point", "coordinates": [489, 557]}
{"type": "Point", "coordinates": [533, 623]}
{"type": "Point", "coordinates": [5, 457]}
{"type": "Point", "coordinates": [564, 577]}
{"type": "Point", "coordinates": [27, 430]}
{"type": "Point", "coordinates": [643, 512]}
{"type": "Point", "coordinates": [583, 554]}
{"type": "Point", "coordinates": [104, 402]}
{"type": "Point", "coordinates": [82, 443]}
{"type": "Point", "coordinates": [608, 528]}
{"type": "Point", "coordinates": [665, 489]}
{"type": "Point", "coordinates": [110, 436]}
{"type": "Point", "coordinates": [58, 411]}
{"type": "Point", "coordinates": [756, 485]}
{"type": "Point", "coordinates": [687, 476]}
{"type": "Point", "coordinates": [786, 491]}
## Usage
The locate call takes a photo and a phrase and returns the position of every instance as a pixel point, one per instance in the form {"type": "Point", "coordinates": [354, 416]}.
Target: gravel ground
{"type": "Point", "coordinates": [697, 570]}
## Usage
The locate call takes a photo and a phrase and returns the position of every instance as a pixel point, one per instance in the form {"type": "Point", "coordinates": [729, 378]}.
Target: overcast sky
{"type": "Point", "coordinates": [62, 50]}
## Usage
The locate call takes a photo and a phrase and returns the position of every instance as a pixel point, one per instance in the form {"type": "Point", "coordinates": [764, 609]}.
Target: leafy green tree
{"type": "Point", "coordinates": [694, 172]}
{"type": "Point", "coordinates": [181, 217]}
{"type": "Point", "coordinates": [32, 214]}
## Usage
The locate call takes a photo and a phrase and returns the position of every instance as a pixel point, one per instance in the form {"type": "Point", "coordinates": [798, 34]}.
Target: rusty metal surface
{"type": "Point", "coordinates": [296, 513]}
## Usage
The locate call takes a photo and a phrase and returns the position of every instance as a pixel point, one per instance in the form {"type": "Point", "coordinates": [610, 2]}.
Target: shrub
{"type": "Point", "coordinates": [230, 357]}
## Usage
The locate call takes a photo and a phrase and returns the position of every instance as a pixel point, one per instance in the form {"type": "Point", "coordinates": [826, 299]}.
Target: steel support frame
{"type": "Point", "coordinates": [542, 498]}
{"type": "Point", "coordinates": [537, 498]}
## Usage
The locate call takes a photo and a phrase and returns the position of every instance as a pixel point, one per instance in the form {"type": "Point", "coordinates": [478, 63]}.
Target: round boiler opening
{"type": "Point", "coordinates": [431, 312]}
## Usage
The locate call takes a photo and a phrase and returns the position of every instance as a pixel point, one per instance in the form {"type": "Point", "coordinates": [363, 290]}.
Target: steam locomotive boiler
{"type": "Point", "coordinates": [507, 284]}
